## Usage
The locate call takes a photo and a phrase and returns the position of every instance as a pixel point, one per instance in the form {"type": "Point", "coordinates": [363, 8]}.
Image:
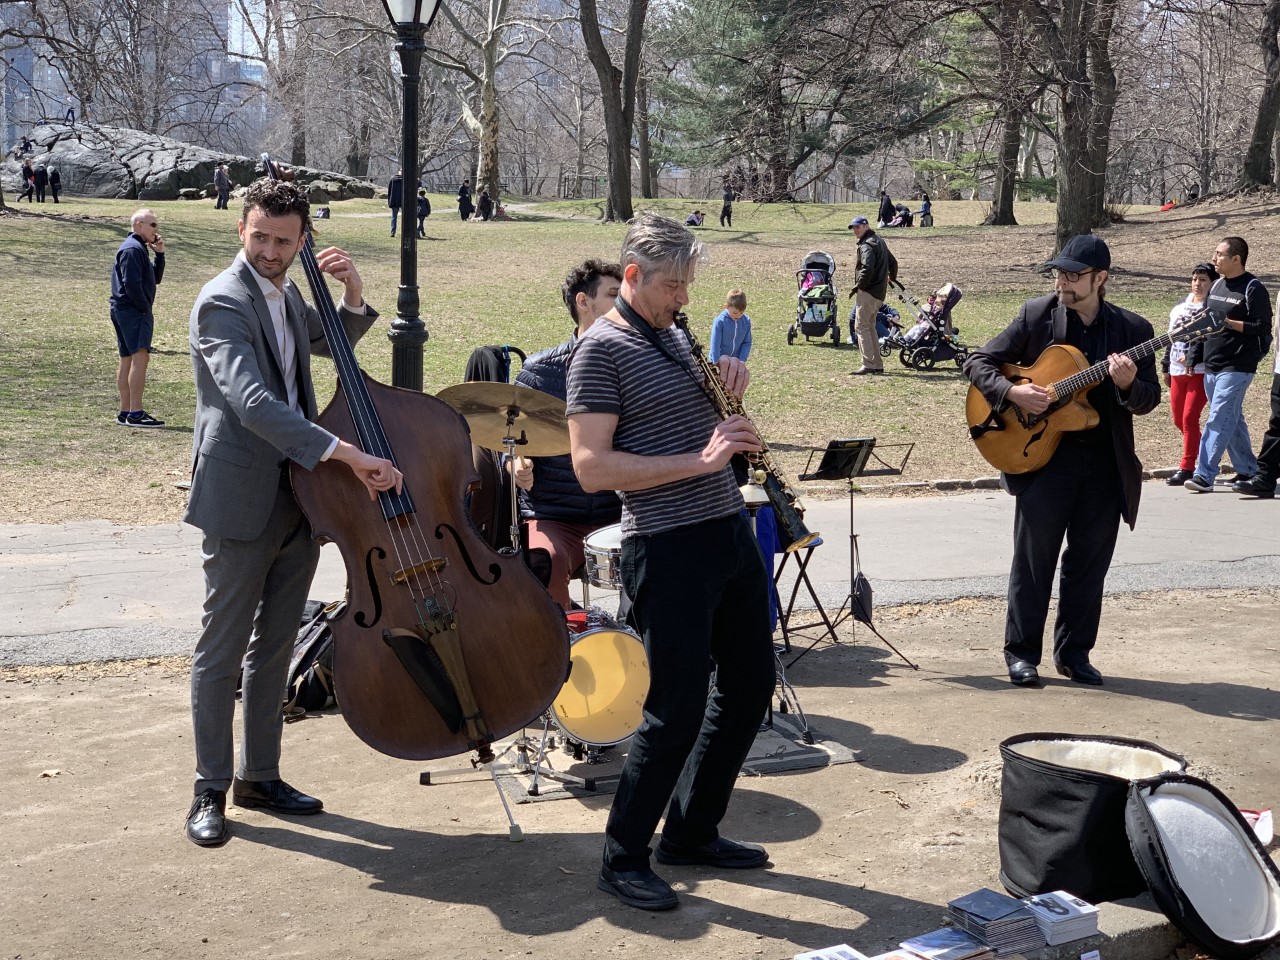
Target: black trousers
{"type": "Point", "coordinates": [701, 596]}
{"type": "Point", "coordinates": [1076, 497]}
{"type": "Point", "coordinates": [726, 215]}
{"type": "Point", "coordinates": [1269, 453]}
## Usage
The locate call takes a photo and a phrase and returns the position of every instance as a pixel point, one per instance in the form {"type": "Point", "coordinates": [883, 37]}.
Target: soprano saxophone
{"type": "Point", "coordinates": [786, 505]}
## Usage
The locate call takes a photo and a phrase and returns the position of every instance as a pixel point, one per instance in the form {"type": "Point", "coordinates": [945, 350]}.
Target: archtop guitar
{"type": "Point", "coordinates": [1014, 441]}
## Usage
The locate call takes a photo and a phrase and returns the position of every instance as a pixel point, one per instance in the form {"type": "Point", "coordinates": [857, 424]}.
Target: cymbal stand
{"type": "Point", "coordinates": [510, 443]}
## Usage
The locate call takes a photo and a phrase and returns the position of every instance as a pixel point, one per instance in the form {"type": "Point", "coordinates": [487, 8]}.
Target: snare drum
{"type": "Point", "coordinates": [602, 551]}
{"type": "Point", "coordinates": [603, 702]}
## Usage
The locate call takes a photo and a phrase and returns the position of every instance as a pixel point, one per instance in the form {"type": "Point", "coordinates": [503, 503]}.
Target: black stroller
{"type": "Point", "coordinates": [816, 309]}
{"type": "Point", "coordinates": [934, 338]}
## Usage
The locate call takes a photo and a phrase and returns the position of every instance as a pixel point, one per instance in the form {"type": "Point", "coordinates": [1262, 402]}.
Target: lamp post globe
{"type": "Point", "coordinates": [408, 333]}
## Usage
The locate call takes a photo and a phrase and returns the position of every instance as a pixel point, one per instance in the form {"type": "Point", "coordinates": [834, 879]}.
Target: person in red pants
{"type": "Point", "coordinates": [1187, 397]}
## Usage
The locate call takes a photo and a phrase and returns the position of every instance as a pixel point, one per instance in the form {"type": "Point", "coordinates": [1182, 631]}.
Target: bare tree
{"type": "Point", "coordinates": [618, 96]}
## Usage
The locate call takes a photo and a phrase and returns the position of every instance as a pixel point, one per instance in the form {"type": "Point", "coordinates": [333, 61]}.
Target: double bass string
{"type": "Point", "coordinates": [410, 544]}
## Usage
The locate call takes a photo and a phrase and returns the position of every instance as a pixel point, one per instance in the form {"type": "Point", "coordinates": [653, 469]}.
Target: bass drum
{"type": "Point", "coordinates": [602, 703]}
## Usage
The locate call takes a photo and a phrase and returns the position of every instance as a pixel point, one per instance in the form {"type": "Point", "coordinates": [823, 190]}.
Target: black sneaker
{"type": "Point", "coordinates": [122, 418]}
{"type": "Point", "coordinates": [1240, 478]}
{"type": "Point", "coordinates": [1198, 484]}
{"type": "Point", "coordinates": [142, 419]}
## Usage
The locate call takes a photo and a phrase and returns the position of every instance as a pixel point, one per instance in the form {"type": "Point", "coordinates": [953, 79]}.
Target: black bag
{"type": "Point", "coordinates": [311, 666]}
{"type": "Point", "coordinates": [1062, 813]}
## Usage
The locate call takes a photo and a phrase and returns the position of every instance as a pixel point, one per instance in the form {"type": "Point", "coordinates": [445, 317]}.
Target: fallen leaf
{"type": "Point", "coordinates": [50, 773]}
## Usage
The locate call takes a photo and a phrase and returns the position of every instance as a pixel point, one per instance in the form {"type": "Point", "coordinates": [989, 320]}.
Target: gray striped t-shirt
{"type": "Point", "coordinates": [661, 410]}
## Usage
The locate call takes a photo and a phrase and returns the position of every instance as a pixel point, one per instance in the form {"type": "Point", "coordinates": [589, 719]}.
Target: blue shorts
{"type": "Point", "coordinates": [133, 333]}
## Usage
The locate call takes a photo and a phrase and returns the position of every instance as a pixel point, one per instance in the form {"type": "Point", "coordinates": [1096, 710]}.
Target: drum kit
{"type": "Point", "coordinates": [601, 703]}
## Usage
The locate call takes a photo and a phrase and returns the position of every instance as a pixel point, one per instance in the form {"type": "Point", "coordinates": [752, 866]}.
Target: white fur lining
{"type": "Point", "coordinates": [1115, 759]}
{"type": "Point", "coordinates": [1214, 863]}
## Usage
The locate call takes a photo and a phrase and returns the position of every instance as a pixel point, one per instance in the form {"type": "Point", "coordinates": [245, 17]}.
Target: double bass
{"type": "Point", "coordinates": [445, 644]}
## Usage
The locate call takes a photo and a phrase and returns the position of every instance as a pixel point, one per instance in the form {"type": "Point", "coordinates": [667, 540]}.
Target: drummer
{"type": "Point", "coordinates": [558, 512]}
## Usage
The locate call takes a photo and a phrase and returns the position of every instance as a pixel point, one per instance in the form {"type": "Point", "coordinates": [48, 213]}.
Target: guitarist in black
{"type": "Point", "coordinates": [1093, 479]}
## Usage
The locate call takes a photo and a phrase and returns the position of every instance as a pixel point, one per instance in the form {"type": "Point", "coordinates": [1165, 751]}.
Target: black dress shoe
{"type": "Point", "coordinates": [1024, 674]}
{"type": "Point", "coordinates": [1240, 478]}
{"type": "Point", "coordinates": [720, 852]}
{"type": "Point", "coordinates": [275, 795]}
{"type": "Point", "coordinates": [1179, 477]}
{"type": "Point", "coordinates": [1085, 673]}
{"type": "Point", "coordinates": [206, 820]}
{"type": "Point", "coordinates": [642, 889]}
{"type": "Point", "coordinates": [1257, 487]}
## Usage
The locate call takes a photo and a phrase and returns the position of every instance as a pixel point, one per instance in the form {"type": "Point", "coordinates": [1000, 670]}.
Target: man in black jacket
{"type": "Point", "coordinates": [395, 197]}
{"type": "Point", "coordinates": [1230, 362]}
{"type": "Point", "coordinates": [870, 283]}
{"type": "Point", "coordinates": [1092, 480]}
{"type": "Point", "coordinates": [558, 511]}
{"type": "Point", "coordinates": [41, 182]}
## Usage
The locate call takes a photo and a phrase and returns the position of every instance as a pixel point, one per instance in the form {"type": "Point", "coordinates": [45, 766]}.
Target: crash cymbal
{"type": "Point", "coordinates": [495, 411]}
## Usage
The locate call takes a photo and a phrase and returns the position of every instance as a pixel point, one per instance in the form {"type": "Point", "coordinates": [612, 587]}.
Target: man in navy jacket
{"type": "Point", "coordinates": [134, 279]}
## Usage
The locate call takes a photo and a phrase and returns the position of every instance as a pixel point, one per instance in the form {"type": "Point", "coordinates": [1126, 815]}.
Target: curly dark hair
{"type": "Point", "coordinates": [276, 198]}
{"type": "Point", "coordinates": [585, 278]}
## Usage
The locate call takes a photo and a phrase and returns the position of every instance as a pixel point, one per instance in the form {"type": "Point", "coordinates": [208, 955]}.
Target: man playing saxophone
{"type": "Point", "coordinates": [641, 424]}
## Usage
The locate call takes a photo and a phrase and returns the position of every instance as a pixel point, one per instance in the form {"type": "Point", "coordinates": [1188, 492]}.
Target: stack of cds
{"type": "Point", "coordinates": [948, 943]}
{"type": "Point", "coordinates": [1062, 916]}
{"type": "Point", "coordinates": [1008, 925]}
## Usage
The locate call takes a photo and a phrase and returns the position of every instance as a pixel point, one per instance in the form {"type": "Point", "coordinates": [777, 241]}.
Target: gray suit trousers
{"type": "Point", "coordinates": [254, 594]}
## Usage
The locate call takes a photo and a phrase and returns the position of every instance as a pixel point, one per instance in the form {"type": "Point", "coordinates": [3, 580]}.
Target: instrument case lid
{"type": "Point", "coordinates": [1203, 864]}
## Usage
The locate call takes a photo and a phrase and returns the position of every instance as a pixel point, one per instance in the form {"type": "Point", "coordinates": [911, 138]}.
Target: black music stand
{"type": "Point", "coordinates": [848, 459]}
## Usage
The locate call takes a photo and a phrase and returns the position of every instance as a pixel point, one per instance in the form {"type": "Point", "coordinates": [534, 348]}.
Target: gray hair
{"type": "Point", "coordinates": [660, 245]}
{"type": "Point", "coordinates": [139, 216]}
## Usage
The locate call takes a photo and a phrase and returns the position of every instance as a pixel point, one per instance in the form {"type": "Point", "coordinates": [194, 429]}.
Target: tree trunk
{"type": "Point", "coordinates": [617, 97]}
{"type": "Point", "coordinates": [1001, 214]}
{"type": "Point", "coordinates": [647, 186]}
{"type": "Point", "coordinates": [487, 174]}
{"type": "Point", "coordinates": [1257, 162]}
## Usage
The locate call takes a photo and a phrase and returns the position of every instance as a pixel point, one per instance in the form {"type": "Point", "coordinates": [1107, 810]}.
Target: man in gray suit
{"type": "Point", "coordinates": [252, 337]}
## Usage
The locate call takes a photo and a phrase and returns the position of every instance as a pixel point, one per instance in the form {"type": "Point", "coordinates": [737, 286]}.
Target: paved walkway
{"type": "Point", "coordinates": [93, 591]}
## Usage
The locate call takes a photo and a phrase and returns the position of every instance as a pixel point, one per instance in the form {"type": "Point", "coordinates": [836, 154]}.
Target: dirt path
{"type": "Point", "coordinates": [94, 861]}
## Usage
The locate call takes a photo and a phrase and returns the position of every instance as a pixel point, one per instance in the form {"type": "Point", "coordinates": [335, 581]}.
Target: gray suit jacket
{"type": "Point", "coordinates": [245, 430]}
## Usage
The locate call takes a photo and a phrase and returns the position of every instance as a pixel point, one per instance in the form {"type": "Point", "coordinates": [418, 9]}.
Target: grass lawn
{"type": "Point", "coordinates": [482, 284]}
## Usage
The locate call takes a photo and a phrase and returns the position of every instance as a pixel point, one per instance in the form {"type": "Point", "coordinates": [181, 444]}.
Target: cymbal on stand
{"type": "Point", "coordinates": [496, 412]}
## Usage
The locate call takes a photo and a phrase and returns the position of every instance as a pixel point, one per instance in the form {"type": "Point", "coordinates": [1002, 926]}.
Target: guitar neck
{"type": "Point", "coordinates": [1099, 371]}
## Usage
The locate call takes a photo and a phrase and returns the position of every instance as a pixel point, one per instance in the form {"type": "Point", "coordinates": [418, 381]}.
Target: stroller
{"type": "Point", "coordinates": [934, 338]}
{"type": "Point", "coordinates": [889, 331]}
{"type": "Point", "coordinates": [816, 311]}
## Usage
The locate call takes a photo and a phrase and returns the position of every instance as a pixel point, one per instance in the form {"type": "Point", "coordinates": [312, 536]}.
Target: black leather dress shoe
{"type": "Point", "coordinates": [274, 795]}
{"type": "Point", "coordinates": [642, 889]}
{"type": "Point", "coordinates": [206, 820]}
{"type": "Point", "coordinates": [1257, 487]}
{"type": "Point", "coordinates": [1085, 673]}
{"type": "Point", "coordinates": [1179, 477]}
{"type": "Point", "coordinates": [720, 852]}
{"type": "Point", "coordinates": [1024, 674]}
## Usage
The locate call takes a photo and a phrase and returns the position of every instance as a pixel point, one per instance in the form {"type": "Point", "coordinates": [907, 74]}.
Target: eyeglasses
{"type": "Point", "coordinates": [1071, 276]}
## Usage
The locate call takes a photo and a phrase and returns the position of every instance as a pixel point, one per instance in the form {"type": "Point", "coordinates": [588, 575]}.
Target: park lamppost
{"type": "Point", "coordinates": [408, 333]}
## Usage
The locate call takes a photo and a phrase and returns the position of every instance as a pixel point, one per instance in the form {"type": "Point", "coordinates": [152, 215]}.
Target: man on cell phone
{"type": "Point", "coordinates": [134, 279]}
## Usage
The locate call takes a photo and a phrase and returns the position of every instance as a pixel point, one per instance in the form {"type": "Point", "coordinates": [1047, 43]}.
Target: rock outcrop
{"type": "Point", "coordinates": [118, 163]}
